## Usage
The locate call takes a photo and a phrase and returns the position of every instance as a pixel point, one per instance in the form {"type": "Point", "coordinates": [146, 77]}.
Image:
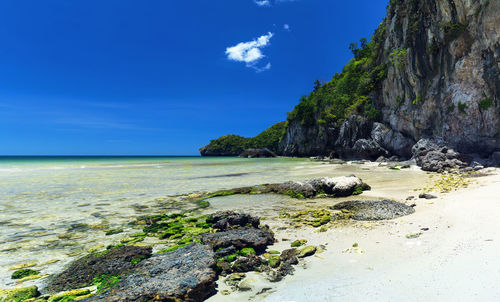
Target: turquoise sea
{"type": "Point", "coordinates": [56, 208]}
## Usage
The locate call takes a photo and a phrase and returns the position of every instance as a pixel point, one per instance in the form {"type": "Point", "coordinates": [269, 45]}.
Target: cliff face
{"type": "Point", "coordinates": [442, 80]}
{"type": "Point", "coordinates": [447, 84]}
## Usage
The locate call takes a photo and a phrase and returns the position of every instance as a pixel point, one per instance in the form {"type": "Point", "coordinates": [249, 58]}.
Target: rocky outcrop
{"type": "Point", "coordinates": [434, 156]}
{"type": "Point", "coordinates": [374, 210]}
{"type": "Point", "coordinates": [253, 153]}
{"type": "Point", "coordinates": [112, 262]}
{"type": "Point", "coordinates": [186, 274]}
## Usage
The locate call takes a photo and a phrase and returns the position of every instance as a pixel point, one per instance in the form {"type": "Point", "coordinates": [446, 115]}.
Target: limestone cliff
{"type": "Point", "coordinates": [442, 80]}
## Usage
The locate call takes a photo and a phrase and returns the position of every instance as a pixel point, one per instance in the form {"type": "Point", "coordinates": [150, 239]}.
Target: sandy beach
{"type": "Point", "coordinates": [453, 259]}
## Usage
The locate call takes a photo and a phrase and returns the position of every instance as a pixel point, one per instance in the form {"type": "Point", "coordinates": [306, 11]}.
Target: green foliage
{"type": "Point", "coordinates": [462, 107]}
{"type": "Point", "coordinates": [19, 274]}
{"type": "Point", "coordinates": [245, 252]}
{"type": "Point", "coordinates": [105, 282]}
{"type": "Point", "coordinates": [399, 57]}
{"type": "Point", "coordinates": [348, 92]}
{"type": "Point", "coordinates": [485, 103]}
{"type": "Point", "coordinates": [236, 144]}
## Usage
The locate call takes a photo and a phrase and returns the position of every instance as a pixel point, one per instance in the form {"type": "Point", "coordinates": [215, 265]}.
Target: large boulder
{"type": "Point", "coordinates": [391, 140]}
{"type": "Point", "coordinates": [369, 149]}
{"type": "Point", "coordinates": [186, 274]}
{"type": "Point", "coordinates": [253, 153]}
{"type": "Point", "coordinates": [81, 272]}
{"type": "Point", "coordinates": [374, 210]}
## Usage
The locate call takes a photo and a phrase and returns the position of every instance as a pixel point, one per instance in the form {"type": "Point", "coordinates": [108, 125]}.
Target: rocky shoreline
{"type": "Point", "coordinates": [202, 249]}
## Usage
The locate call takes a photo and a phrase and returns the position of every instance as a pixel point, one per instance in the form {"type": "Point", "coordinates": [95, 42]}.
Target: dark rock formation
{"type": "Point", "coordinates": [253, 153]}
{"type": "Point", "coordinates": [81, 272]}
{"type": "Point", "coordinates": [186, 274]}
{"type": "Point", "coordinates": [225, 220]}
{"type": "Point", "coordinates": [375, 210]}
{"type": "Point", "coordinates": [239, 238]}
{"type": "Point", "coordinates": [433, 155]}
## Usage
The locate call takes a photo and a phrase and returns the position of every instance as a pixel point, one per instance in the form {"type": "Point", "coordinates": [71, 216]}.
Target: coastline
{"type": "Point", "coordinates": [358, 253]}
{"type": "Point", "coordinates": [454, 260]}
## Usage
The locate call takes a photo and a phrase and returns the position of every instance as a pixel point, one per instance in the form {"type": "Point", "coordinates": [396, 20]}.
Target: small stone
{"type": "Point", "coordinates": [413, 235]}
{"type": "Point", "coordinates": [274, 261]}
{"type": "Point", "coordinates": [307, 251]}
{"type": "Point", "coordinates": [298, 243]}
{"type": "Point", "coordinates": [355, 244]}
{"type": "Point", "coordinates": [426, 196]}
{"type": "Point", "coordinates": [225, 292]}
{"type": "Point", "coordinates": [246, 285]}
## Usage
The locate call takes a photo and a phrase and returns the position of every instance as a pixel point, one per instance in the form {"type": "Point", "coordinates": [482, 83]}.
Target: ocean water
{"type": "Point", "coordinates": [57, 208]}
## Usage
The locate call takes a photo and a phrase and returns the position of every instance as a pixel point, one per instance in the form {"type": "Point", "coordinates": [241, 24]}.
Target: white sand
{"type": "Point", "coordinates": [457, 259]}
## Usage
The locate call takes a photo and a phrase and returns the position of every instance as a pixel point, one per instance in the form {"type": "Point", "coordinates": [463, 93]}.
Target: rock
{"type": "Point", "coordinates": [332, 186]}
{"type": "Point", "coordinates": [367, 148]}
{"type": "Point", "coordinates": [186, 274]}
{"type": "Point", "coordinates": [246, 285]}
{"type": "Point", "coordinates": [426, 196]}
{"type": "Point", "coordinates": [413, 235]}
{"type": "Point", "coordinates": [410, 197]}
{"type": "Point", "coordinates": [374, 210]}
{"type": "Point", "coordinates": [248, 264]}
{"type": "Point", "coordinates": [495, 156]}
{"type": "Point", "coordinates": [253, 153]}
{"type": "Point", "coordinates": [239, 238]}
{"type": "Point", "coordinates": [434, 156]}
{"type": "Point", "coordinates": [391, 140]}
{"type": "Point", "coordinates": [80, 273]}
{"type": "Point", "coordinates": [274, 261]}
{"type": "Point", "coordinates": [225, 252]}
{"type": "Point", "coordinates": [225, 220]}
{"type": "Point", "coordinates": [18, 294]}
{"type": "Point", "coordinates": [69, 295]}
{"type": "Point", "coordinates": [298, 243]}
{"type": "Point", "coordinates": [22, 273]}
{"type": "Point", "coordinates": [307, 251]}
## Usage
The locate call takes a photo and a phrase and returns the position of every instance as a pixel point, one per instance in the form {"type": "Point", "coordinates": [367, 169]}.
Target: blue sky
{"type": "Point", "coordinates": [162, 76]}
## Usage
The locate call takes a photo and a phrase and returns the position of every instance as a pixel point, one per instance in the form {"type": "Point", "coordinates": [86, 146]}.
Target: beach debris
{"type": "Point", "coordinates": [413, 235]}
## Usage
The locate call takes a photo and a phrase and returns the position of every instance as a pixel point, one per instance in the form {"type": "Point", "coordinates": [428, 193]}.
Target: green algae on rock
{"type": "Point", "coordinates": [307, 251]}
{"type": "Point", "coordinates": [22, 273]}
{"type": "Point", "coordinates": [71, 295]}
{"type": "Point", "coordinates": [18, 294]}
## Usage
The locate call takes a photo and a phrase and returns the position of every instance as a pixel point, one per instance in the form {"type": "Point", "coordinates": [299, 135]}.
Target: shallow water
{"type": "Point", "coordinates": [60, 207]}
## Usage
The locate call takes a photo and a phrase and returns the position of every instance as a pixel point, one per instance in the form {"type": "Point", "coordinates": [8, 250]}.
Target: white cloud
{"type": "Point", "coordinates": [250, 52]}
{"type": "Point", "coordinates": [262, 2]}
{"type": "Point", "coordinates": [286, 27]}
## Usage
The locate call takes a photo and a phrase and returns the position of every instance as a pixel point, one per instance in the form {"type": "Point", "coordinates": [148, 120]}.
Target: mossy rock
{"type": "Point", "coordinates": [298, 243]}
{"type": "Point", "coordinates": [274, 261]}
{"type": "Point", "coordinates": [18, 294]}
{"type": "Point", "coordinates": [245, 252]}
{"type": "Point", "coordinates": [307, 251]}
{"type": "Point", "coordinates": [71, 295]}
{"type": "Point", "coordinates": [273, 252]}
{"type": "Point", "coordinates": [22, 273]}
